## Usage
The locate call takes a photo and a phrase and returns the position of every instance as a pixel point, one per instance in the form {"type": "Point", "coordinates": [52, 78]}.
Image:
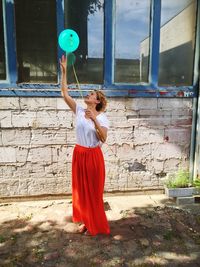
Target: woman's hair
{"type": "Point", "coordinates": [103, 102]}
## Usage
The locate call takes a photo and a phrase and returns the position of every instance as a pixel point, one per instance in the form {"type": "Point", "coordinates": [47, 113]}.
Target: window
{"type": "Point", "coordinates": [177, 42]}
{"type": "Point", "coordinates": [2, 46]}
{"type": "Point", "coordinates": [129, 48]}
{"type": "Point", "coordinates": [36, 41]}
{"type": "Point", "coordinates": [132, 41]}
{"type": "Point", "coordinates": [89, 26]}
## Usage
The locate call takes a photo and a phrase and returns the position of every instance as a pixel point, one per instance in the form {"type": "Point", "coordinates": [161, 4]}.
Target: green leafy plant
{"type": "Point", "coordinates": [180, 179]}
{"type": "Point", "coordinates": [196, 183]}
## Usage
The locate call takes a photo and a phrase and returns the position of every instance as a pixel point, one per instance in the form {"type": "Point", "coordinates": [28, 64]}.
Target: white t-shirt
{"type": "Point", "coordinates": [85, 128]}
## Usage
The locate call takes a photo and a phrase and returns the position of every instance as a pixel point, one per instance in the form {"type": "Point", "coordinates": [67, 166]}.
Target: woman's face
{"type": "Point", "coordinates": [91, 98]}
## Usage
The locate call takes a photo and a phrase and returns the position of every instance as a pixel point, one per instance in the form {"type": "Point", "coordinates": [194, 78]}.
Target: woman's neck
{"type": "Point", "coordinates": [92, 108]}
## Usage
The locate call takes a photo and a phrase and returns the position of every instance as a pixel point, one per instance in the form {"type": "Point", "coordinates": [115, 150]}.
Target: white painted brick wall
{"type": "Point", "coordinates": [147, 139]}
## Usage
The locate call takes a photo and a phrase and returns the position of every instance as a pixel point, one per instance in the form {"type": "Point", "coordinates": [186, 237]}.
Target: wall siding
{"type": "Point", "coordinates": [148, 138]}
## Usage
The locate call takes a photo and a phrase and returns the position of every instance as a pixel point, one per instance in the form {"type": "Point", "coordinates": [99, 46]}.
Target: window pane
{"type": "Point", "coordinates": [2, 47]}
{"type": "Point", "coordinates": [177, 42]}
{"type": "Point", "coordinates": [36, 40]}
{"type": "Point", "coordinates": [132, 41]}
{"type": "Point", "coordinates": [89, 27]}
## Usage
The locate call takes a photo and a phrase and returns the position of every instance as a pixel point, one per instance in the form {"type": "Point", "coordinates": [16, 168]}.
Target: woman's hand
{"type": "Point", "coordinates": [90, 114]}
{"type": "Point", "coordinates": [63, 64]}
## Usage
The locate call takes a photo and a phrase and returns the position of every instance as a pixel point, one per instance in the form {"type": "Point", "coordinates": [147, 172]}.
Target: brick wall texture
{"type": "Point", "coordinates": [148, 138]}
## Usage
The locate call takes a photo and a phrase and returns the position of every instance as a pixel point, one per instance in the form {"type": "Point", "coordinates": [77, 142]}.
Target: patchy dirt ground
{"type": "Point", "coordinates": [145, 231]}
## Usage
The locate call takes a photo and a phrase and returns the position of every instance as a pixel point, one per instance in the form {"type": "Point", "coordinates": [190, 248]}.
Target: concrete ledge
{"type": "Point", "coordinates": [185, 200]}
{"type": "Point", "coordinates": [179, 192]}
{"type": "Point", "coordinates": [133, 192]}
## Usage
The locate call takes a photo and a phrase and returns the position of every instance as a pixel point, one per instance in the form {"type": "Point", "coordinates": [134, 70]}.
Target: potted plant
{"type": "Point", "coordinates": [196, 183]}
{"type": "Point", "coordinates": [178, 184]}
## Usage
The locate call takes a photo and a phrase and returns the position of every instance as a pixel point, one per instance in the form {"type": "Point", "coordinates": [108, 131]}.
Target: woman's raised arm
{"type": "Point", "coordinates": [64, 89]}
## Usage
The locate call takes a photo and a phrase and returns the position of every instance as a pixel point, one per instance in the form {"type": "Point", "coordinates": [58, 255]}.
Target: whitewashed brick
{"type": "Point", "coordinates": [46, 136]}
{"type": "Point", "coordinates": [187, 103]}
{"type": "Point", "coordinates": [24, 119]}
{"type": "Point", "coordinates": [142, 152]}
{"type": "Point", "coordinates": [155, 112]}
{"type": "Point", "coordinates": [59, 153]}
{"type": "Point", "coordinates": [144, 135]}
{"type": "Point", "coordinates": [181, 121]}
{"type": "Point", "coordinates": [109, 151]}
{"type": "Point", "coordinates": [7, 155]}
{"type": "Point", "coordinates": [16, 137]}
{"type": "Point", "coordinates": [116, 105]}
{"type": "Point", "coordinates": [138, 180]}
{"type": "Point", "coordinates": [164, 103]}
{"type": "Point", "coordinates": [9, 103]}
{"type": "Point", "coordinates": [7, 171]}
{"type": "Point", "coordinates": [54, 119]}
{"type": "Point", "coordinates": [48, 186]}
{"type": "Point", "coordinates": [124, 152]}
{"type": "Point", "coordinates": [1, 143]}
{"type": "Point", "coordinates": [23, 171]}
{"type": "Point", "coordinates": [40, 154]}
{"type": "Point", "coordinates": [61, 105]}
{"type": "Point", "coordinates": [22, 154]}
{"type": "Point", "coordinates": [9, 187]}
{"type": "Point", "coordinates": [141, 103]}
{"type": "Point", "coordinates": [37, 170]}
{"type": "Point", "coordinates": [5, 119]}
{"type": "Point", "coordinates": [178, 135]}
{"type": "Point", "coordinates": [155, 166]}
{"type": "Point", "coordinates": [56, 170]}
{"type": "Point", "coordinates": [120, 136]}
{"type": "Point", "coordinates": [69, 152]}
{"type": "Point", "coordinates": [38, 137]}
{"type": "Point", "coordinates": [120, 114]}
{"type": "Point", "coordinates": [38, 103]}
{"type": "Point", "coordinates": [112, 170]}
{"type": "Point", "coordinates": [119, 122]}
{"type": "Point", "coordinates": [167, 150]}
{"type": "Point", "coordinates": [172, 164]}
{"type": "Point", "coordinates": [71, 137]}
{"type": "Point", "coordinates": [181, 112]}
{"type": "Point", "coordinates": [174, 103]}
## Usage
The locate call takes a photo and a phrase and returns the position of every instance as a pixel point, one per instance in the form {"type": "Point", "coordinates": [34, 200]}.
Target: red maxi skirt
{"type": "Point", "coordinates": [88, 178]}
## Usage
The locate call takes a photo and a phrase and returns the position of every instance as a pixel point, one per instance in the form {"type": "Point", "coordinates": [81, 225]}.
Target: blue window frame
{"type": "Point", "coordinates": [10, 87]}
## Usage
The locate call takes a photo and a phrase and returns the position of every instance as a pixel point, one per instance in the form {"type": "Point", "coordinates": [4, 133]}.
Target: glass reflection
{"type": "Point", "coordinates": [132, 41]}
{"type": "Point", "coordinates": [89, 27]}
{"type": "Point", "coordinates": [177, 42]}
{"type": "Point", "coordinates": [36, 40]}
{"type": "Point", "coordinates": [2, 48]}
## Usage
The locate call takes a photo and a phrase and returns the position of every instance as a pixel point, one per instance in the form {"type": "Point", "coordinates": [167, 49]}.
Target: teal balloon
{"type": "Point", "coordinates": [71, 58]}
{"type": "Point", "coordinates": [68, 40]}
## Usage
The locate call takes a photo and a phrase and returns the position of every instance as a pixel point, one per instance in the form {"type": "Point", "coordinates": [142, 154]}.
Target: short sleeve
{"type": "Point", "coordinates": [103, 120]}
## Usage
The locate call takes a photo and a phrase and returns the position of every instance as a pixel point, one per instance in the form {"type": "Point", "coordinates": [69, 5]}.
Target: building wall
{"type": "Point", "coordinates": [148, 138]}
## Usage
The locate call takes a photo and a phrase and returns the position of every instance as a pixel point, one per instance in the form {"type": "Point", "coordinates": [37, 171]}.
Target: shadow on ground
{"type": "Point", "coordinates": [151, 236]}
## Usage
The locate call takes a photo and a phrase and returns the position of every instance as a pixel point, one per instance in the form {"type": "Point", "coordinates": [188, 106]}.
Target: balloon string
{"type": "Point", "coordinates": [77, 81]}
{"type": "Point", "coordinates": [82, 97]}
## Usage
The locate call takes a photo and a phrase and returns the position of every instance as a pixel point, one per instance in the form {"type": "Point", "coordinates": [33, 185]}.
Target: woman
{"type": "Point", "coordinates": [88, 169]}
